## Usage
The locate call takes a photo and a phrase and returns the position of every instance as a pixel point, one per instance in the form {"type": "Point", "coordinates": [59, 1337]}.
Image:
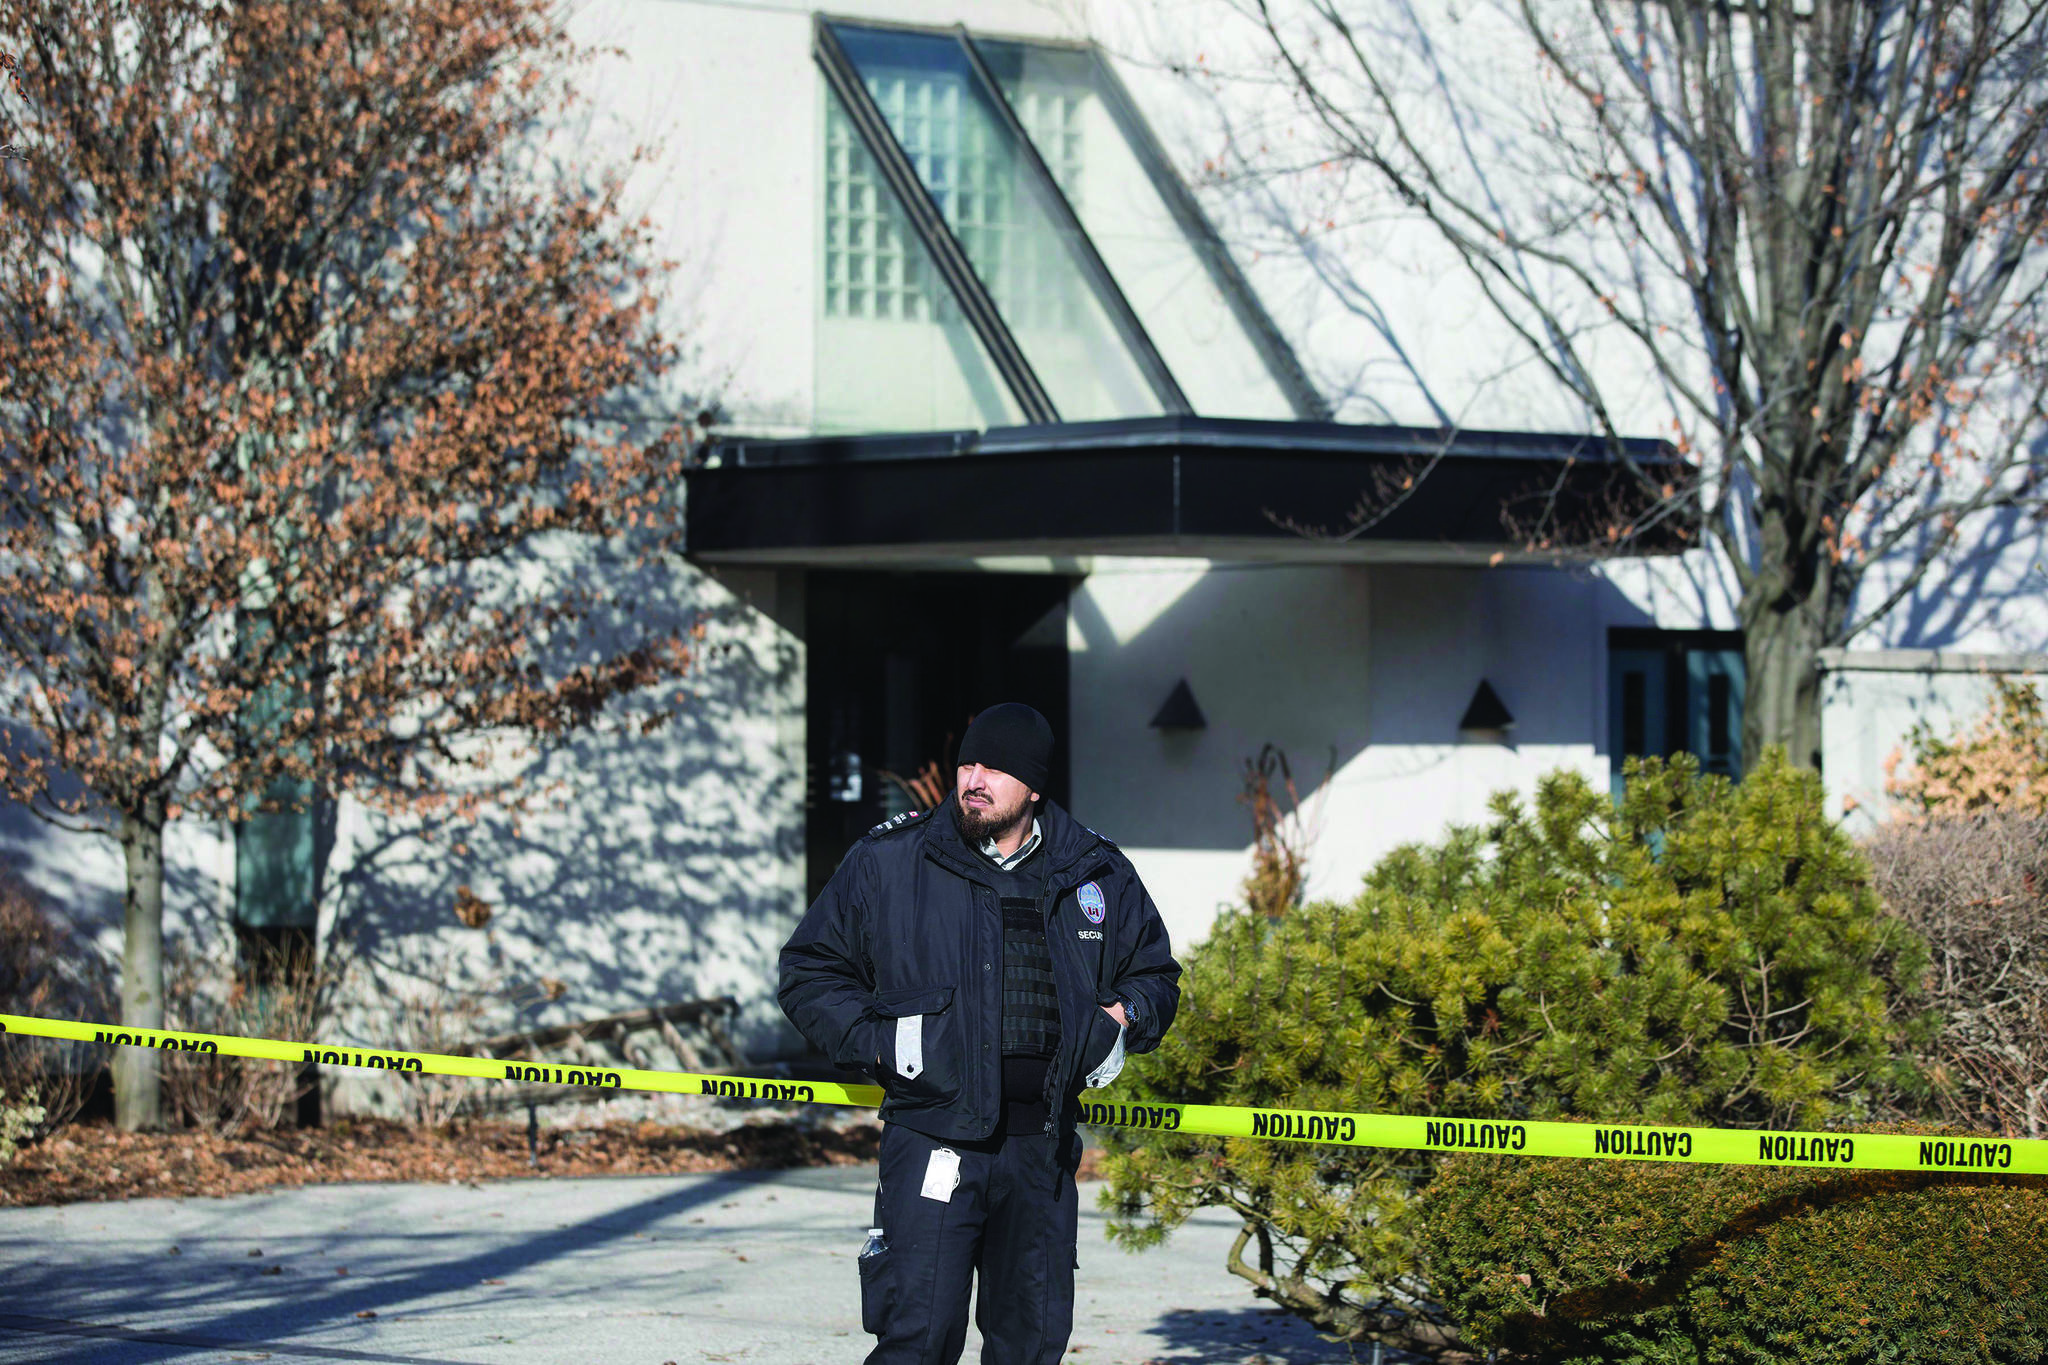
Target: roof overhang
{"type": "Point", "coordinates": [1197, 487]}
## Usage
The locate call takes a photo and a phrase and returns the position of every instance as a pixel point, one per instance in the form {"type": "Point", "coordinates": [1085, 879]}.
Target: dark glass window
{"type": "Point", "coordinates": [1635, 701]}
{"type": "Point", "coordinates": [898, 663]}
{"type": "Point", "coordinates": [1675, 691]}
{"type": "Point", "coordinates": [277, 842]}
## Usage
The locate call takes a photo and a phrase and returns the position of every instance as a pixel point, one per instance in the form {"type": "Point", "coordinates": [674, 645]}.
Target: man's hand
{"type": "Point", "coordinates": [1116, 1012]}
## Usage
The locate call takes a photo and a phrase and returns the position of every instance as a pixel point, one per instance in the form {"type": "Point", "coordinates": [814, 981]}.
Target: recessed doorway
{"type": "Point", "coordinates": [897, 664]}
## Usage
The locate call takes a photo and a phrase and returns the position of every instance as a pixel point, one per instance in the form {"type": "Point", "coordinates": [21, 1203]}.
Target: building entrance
{"type": "Point", "coordinates": [897, 664]}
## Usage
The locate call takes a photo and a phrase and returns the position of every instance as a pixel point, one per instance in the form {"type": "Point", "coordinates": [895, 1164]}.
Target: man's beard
{"type": "Point", "coordinates": [984, 824]}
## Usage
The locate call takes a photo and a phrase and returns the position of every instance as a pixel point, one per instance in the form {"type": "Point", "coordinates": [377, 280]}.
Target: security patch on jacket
{"type": "Point", "coordinates": [895, 822]}
{"type": "Point", "coordinates": [1092, 904]}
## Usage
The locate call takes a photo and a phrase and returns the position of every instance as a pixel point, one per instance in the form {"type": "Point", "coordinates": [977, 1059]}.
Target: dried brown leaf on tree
{"type": "Point", "coordinates": [471, 909]}
{"type": "Point", "coordinates": [351, 341]}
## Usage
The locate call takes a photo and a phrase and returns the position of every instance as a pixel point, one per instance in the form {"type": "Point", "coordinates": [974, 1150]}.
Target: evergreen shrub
{"type": "Point", "coordinates": [1705, 953]}
{"type": "Point", "coordinates": [1662, 1263]}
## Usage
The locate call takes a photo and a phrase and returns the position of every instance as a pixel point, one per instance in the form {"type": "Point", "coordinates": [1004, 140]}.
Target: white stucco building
{"type": "Point", "coordinates": [1005, 417]}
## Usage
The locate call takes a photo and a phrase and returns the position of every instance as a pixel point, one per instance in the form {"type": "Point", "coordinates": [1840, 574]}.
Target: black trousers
{"type": "Point", "coordinates": [1011, 1220]}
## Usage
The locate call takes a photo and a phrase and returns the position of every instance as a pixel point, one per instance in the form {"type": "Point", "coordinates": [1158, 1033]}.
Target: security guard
{"type": "Point", "coordinates": [985, 961]}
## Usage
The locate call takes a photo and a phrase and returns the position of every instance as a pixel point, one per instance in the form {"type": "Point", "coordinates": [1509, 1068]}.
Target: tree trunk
{"type": "Point", "coordinates": [1782, 640]}
{"type": "Point", "coordinates": [138, 1091]}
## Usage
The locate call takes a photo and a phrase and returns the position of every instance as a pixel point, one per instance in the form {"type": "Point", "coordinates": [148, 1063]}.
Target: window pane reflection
{"type": "Point", "coordinates": [955, 139]}
{"type": "Point", "coordinates": [1058, 98]}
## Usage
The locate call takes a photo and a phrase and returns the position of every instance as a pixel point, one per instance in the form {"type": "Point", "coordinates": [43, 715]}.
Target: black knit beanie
{"type": "Point", "coordinates": [1011, 738]}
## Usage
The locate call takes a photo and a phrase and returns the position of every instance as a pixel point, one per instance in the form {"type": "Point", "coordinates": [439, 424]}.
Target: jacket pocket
{"type": "Point", "coordinates": [1099, 1041]}
{"type": "Point", "coordinates": [920, 1041]}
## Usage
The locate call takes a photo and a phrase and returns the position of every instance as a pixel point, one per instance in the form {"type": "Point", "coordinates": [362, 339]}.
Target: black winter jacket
{"type": "Point", "coordinates": [909, 925]}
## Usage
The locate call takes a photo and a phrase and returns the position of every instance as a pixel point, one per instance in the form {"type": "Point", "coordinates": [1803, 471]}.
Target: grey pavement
{"type": "Point", "coordinates": [752, 1268]}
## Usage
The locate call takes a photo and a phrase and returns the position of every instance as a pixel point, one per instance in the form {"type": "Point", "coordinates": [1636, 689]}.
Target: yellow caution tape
{"type": "Point", "coordinates": [441, 1064]}
{"type": "Point", "coordinates": [1602, 1142]}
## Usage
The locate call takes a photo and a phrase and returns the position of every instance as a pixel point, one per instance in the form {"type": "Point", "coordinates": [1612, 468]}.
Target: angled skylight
{"type": "Point", "coordinates": [1177, 276]}
{"type": "Point", "coordinates": [951, 126]}
{"type": "Point", "coordinates": [999, 211]}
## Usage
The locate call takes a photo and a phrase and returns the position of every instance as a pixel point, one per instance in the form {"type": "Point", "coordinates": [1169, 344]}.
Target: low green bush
{"type": "Point", "coordinates": [1706, 953]}
{"type": "Point", "coordinates": [1658, 1263]}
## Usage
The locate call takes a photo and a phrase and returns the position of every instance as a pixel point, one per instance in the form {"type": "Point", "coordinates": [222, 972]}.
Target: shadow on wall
{"type": "Point", "coordinates": [82, 876]}
{"type": "Point", "coordinates": [664, 863]}
{"type": "Point", "coordinates": [1325, 662]}
{"type": "Point", "coordinates": [1995, 590]}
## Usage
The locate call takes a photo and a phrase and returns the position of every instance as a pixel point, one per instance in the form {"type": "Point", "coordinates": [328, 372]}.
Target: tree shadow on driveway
{"type": "Point", "coordinates": [200, 1296]}
{"type": "Point", "coordinates": [1254, 1336]}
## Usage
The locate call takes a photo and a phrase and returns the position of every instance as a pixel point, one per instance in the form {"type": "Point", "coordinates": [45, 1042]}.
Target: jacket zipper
{"type": "Point", "coordinates": [1055, 1084]}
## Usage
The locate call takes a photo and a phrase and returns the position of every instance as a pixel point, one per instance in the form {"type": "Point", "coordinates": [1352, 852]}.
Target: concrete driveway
{"type": "Point", "coordinates": [753, 1268]}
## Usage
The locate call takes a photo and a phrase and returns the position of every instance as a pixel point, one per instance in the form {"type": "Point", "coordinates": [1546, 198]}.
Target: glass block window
{"type": "Point", "coordinates": [874, 267]}
{"type": "Point", "coordinates": [1052, 117]}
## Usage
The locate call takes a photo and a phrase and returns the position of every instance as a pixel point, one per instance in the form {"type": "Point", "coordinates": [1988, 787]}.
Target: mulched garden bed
{"type": "Point", "coordinates": [94, 1161]}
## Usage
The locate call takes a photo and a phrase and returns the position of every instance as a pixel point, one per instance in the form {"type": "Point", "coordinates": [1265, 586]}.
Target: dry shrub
{"type": "Point", "coordinates": [1283, 832]}
{"type": "Point", "coordinates": [434, 998]}
{"type": "Point", "coordinates": [45, 972]}
{"type": "Point", "coordinates": [1977, 890]}
{"type": "Point", "coordinates": [1999, 762]}
{"type": "Point", "coordinates": [19, 1120]}
{"type": "Point", "coordinates": [207, 991]}
{"type": "Point", "coordinates": [926, 788]}
{"type": "Point", "coordinates": [431, 1014]}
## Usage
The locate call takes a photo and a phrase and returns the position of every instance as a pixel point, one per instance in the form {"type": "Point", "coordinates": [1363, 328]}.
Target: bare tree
{"type": "Point", "coordinates": [297, 345]}
{"type": "Point", "coordinates": [1811, 230]}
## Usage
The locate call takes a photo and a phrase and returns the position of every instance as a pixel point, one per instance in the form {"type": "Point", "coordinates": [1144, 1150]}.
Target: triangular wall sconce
{"type": "Point", "coordinates": [1179, 712]}
{"type": "Point", "coordinates": [1487, 717]}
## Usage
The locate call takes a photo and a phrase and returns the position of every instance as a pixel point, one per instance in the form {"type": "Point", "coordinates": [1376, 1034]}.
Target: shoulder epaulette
{"type": "Point", "coordinates": [896, 822]}
{"type": "Point", "coordinates": [1105, 840]}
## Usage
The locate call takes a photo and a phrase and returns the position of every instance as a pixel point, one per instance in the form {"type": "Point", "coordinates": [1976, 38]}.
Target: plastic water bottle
{"type": "Point", "coordinates": [874, 1246]}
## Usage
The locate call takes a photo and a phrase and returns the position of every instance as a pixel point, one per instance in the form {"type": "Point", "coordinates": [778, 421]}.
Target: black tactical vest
{"type": "Point", "coordinates": [1031, 1009]}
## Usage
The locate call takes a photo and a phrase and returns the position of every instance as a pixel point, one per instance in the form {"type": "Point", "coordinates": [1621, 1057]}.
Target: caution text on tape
{"type": "Point", "coordinates": [1602, 1142]}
